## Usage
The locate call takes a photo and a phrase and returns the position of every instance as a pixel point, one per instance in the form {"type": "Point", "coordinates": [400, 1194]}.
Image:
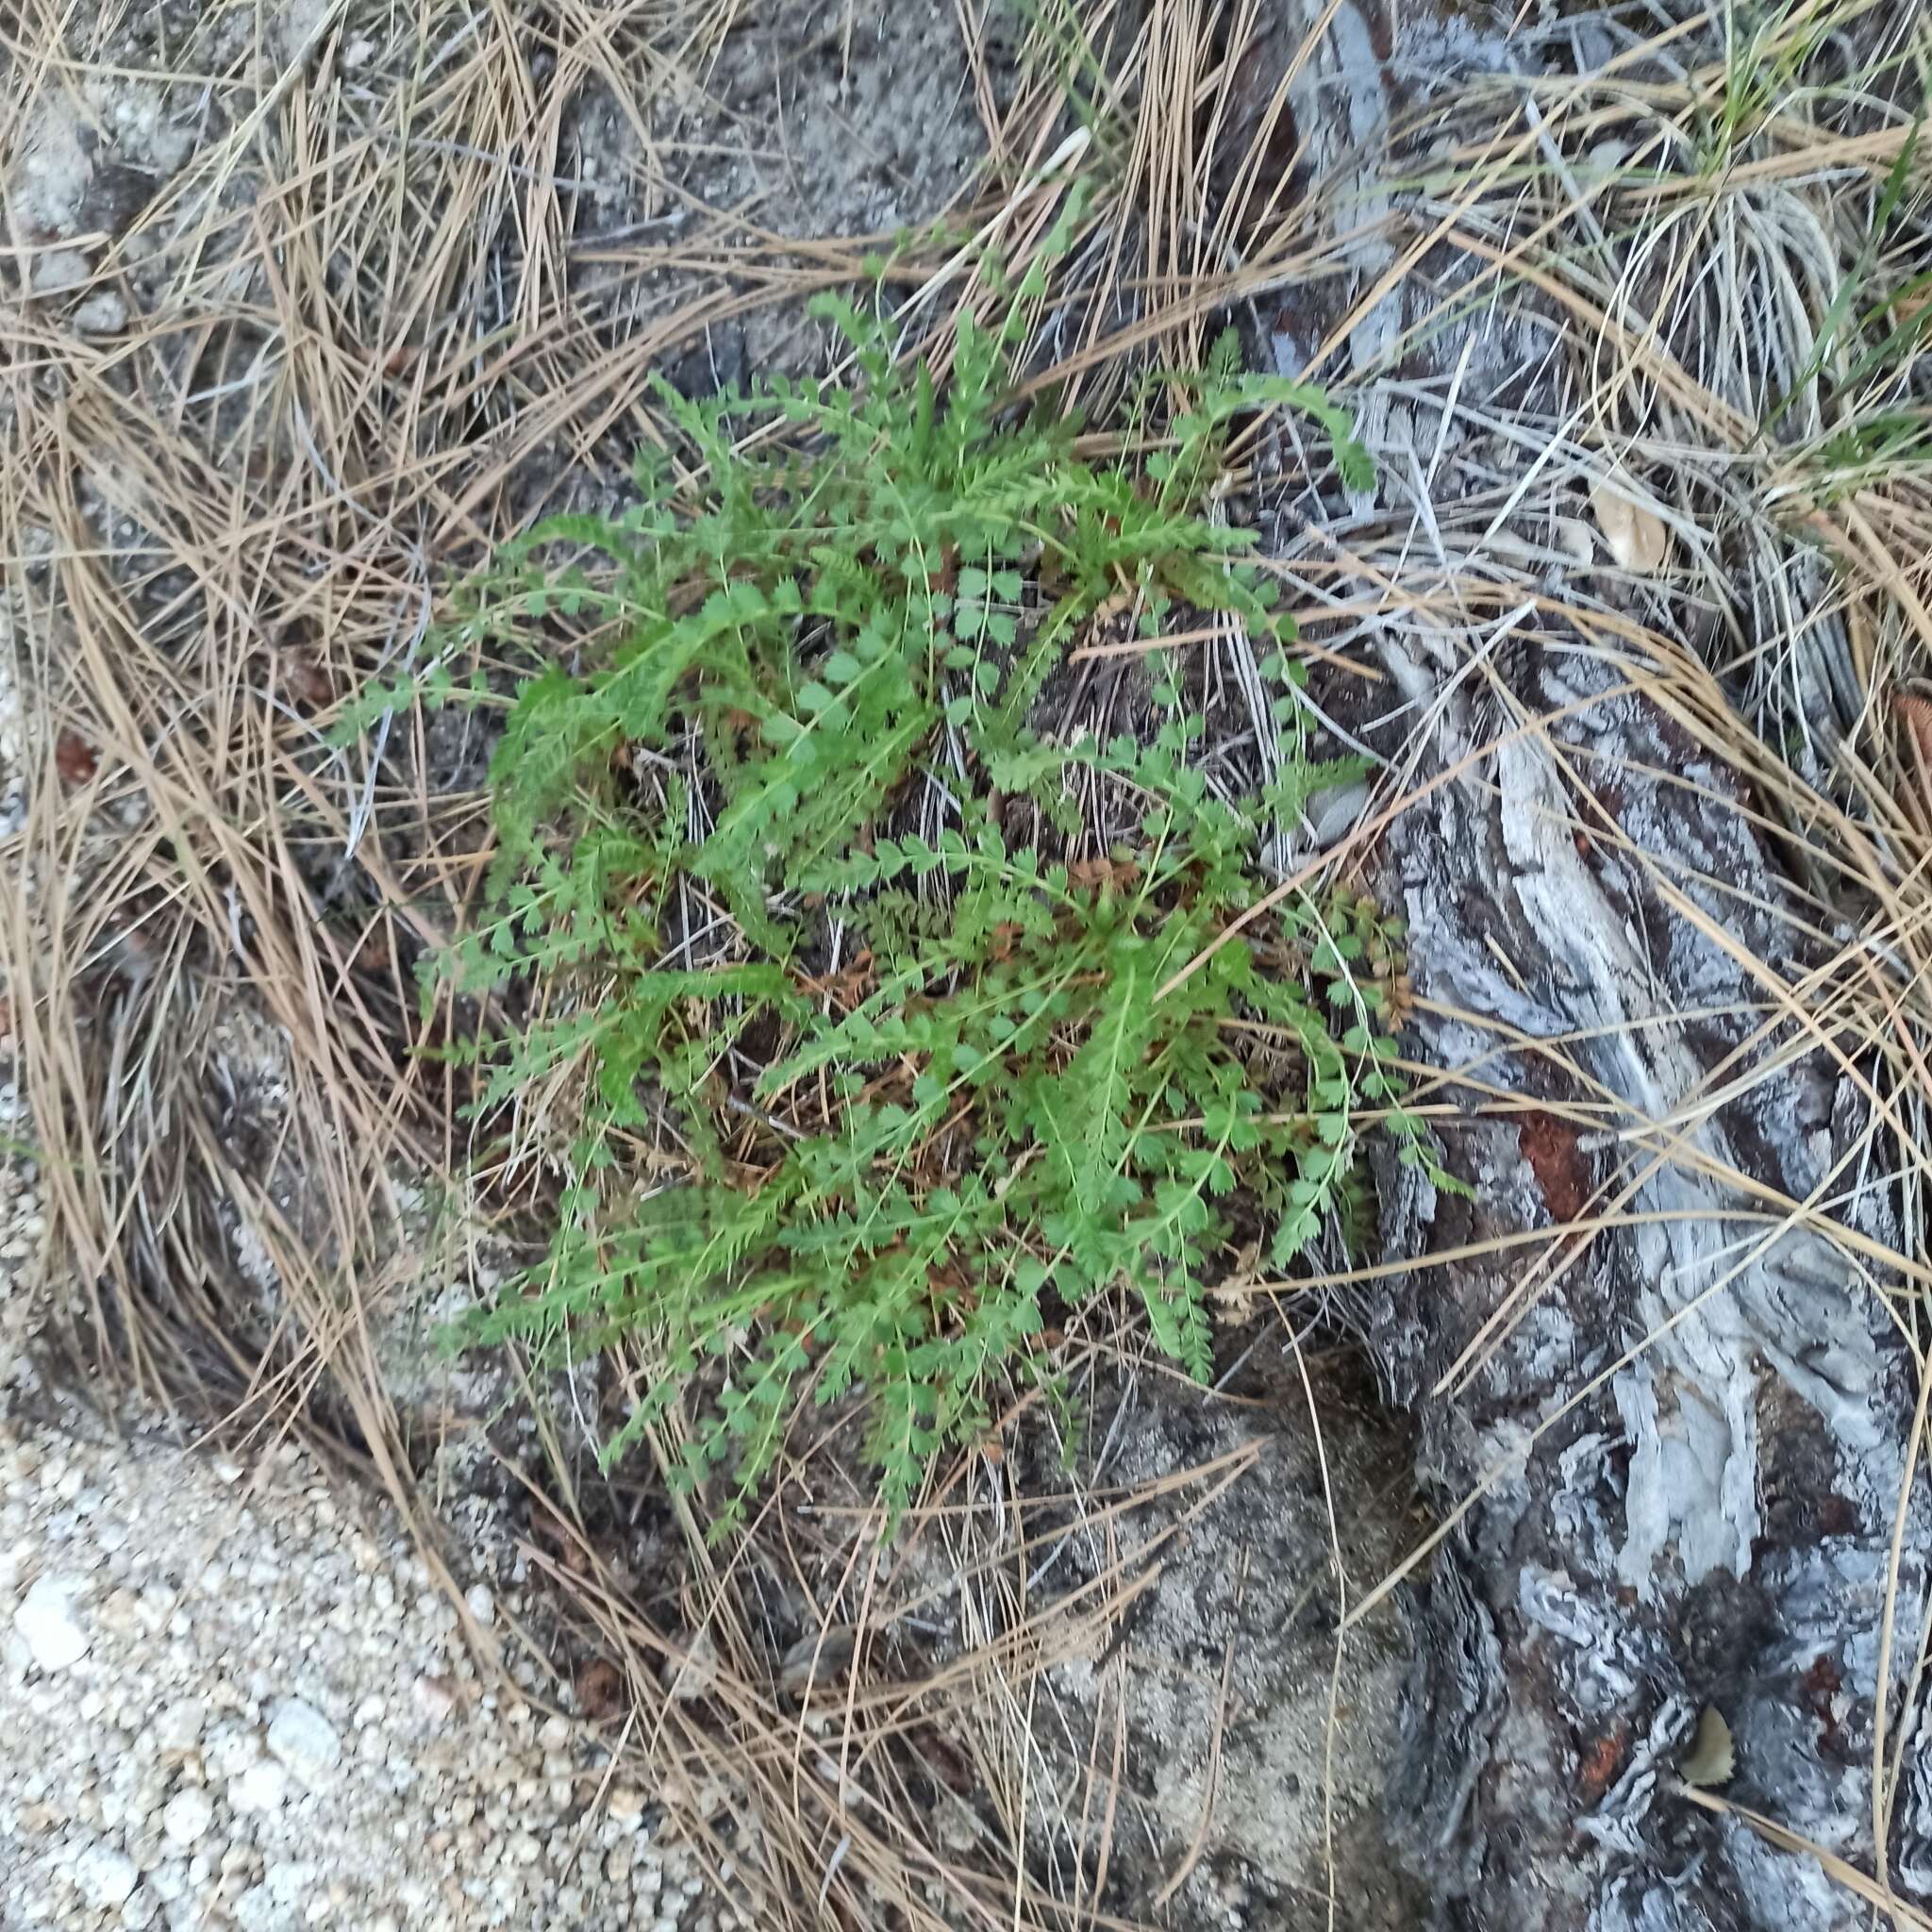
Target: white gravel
{"type": "Point", "coordinates": [231, 1700]}
{"type": "Point", "coordinates": [224, 1708]}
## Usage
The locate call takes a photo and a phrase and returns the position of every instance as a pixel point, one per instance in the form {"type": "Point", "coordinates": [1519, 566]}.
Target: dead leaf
{"type": "Point", "coordinates": [1915, 706]}
{"type": "Point", "coordinates": [600, 1689]}
{"type": "Point", "coordinates": [310, 683]}
{"type": "Point", "coordinates": [1638, 538]}
{"type": "Point", "coordinates": [1234, 1298]}
{"type": "Point", "coordinates": [1711, 1760]}
{"type": "Point", "coordinates": [815, 1661]}
{"type": "Point", "coordinates": [948, 1763]}
{"type": "Point", "coordinates": [1601, 1762]}
{"type": "Point", "coordinates": [75, 758]}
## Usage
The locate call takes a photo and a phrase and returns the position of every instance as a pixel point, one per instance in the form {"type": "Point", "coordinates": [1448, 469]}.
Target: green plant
{"type": "Point", "coordinates": [873, 1064]}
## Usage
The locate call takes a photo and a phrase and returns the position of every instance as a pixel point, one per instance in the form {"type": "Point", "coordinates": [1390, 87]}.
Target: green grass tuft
{"type": "Point", "coordinates": [874, 1071]}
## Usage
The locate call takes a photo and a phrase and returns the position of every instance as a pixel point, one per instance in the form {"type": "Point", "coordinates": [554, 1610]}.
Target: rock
{"type": "Point", "coordinates": [105, 1877]}
{"type": "Point", "coordinates": [305, 1740]}
{"type": "Point", "coordinates": [141, 1910]}
{"type": "Point", "coordinates": [435, 1697]}
{"type": "Point", "coordinates": [187, 1815]}
{"type": "Point", "coordinates": [260, 1909]}
{"type": "Point", "coordinates": [230, 1749]}
{"type": "Point", "coordinates": [263, 1787]}
{"type": "Point", "coordinates": [694, 1674]}
{"type": "Point", "coordinates": [179, 1725]}
{"type": "Point", "coordinates": [47, 1621]}
{"type": "Point", "coordinates": [104, 314]}
{"type": "Point", "coordinates": [482, 1604]}
{"type": "Point", "coordinates": [56, 271]}
{"type": "Point", "coordinates": [121, 1614]}
{"type": "Point", "coordinates": [1335, 810]}
{"type": "Point", "coordinates": [240, 1868]}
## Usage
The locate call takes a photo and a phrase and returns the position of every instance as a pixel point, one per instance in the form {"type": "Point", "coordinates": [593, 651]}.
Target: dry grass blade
{"type": "Point", "coordinates": [825, 1753]}
{"type": "Point", "coordinates": [187, 612]}
{"type": "Point", "coordinates": [1725, 241]}
{"type": "Point", "coordinates": [361, 329]}
{"type": "Point", "coordinates": [1840, 1870]}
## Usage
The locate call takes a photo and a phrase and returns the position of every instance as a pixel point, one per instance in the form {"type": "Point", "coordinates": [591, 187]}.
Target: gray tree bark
{"type": "Point", "coordinates": [1684, 1436]}
{"type": "Point", "coordinates": [1701, 1410]}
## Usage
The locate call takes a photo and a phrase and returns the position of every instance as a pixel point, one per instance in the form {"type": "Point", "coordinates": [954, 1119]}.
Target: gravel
{"type": "Point", "coordinates": [246, 1706]}
{"type": "Point", "coordinates": [46, 1623]}
{"type": "Point", "coordinates": [230, 1697]}
{"type": "Point", "coordinates": [306, 1744]}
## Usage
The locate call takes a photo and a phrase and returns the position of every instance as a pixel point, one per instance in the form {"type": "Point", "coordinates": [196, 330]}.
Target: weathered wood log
{"type": "Point", "coordinates": [1686, 1441]}
{"type": "Point", "coordinates": [1676, 1444]}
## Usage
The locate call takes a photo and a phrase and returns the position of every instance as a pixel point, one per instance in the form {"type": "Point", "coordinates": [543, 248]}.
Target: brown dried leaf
{"type": "Point", "coordinates": [948, 1763]}
{"type": "Point", "coordinates": [600, 1689]}
{"type": "Point", "coordinates": [1234, 1298]}
{"type": "Point", "coordinates": [1638, 538]}
{"type": "Point", "coordinates": [75, 758]}
{"type": "Point", "coordinates": [1915, 706]}
{"type": "Point", "coordinates": [310, 683]}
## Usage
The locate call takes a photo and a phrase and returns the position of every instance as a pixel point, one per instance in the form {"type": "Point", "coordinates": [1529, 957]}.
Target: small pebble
{"type": "Point", "coordinates": [230, 1751]}
{"type": "Point", "coordinates": [106, 1875]}
{"type": "Point", "coordinates": [46, 1620]}
{"type": "Point", "coordinates": [305, 1740]}
{"type": "Point", "coordinates": [187, 1814]}
{"type": "Point", "coordinates": [179, 1725]}
{"type": "Point", "coordinates": [104, 314]}
{"type": "Point", "coordinates": [262, 1787]}
{"type": "Point", "coordinates": [435, 1699]}
{"type": "Point", "coordinates": [56, 271]}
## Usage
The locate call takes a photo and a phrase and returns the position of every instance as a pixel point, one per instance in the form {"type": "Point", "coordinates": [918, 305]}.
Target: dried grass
{"type": "Point", "coordinates": [364, 345]}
